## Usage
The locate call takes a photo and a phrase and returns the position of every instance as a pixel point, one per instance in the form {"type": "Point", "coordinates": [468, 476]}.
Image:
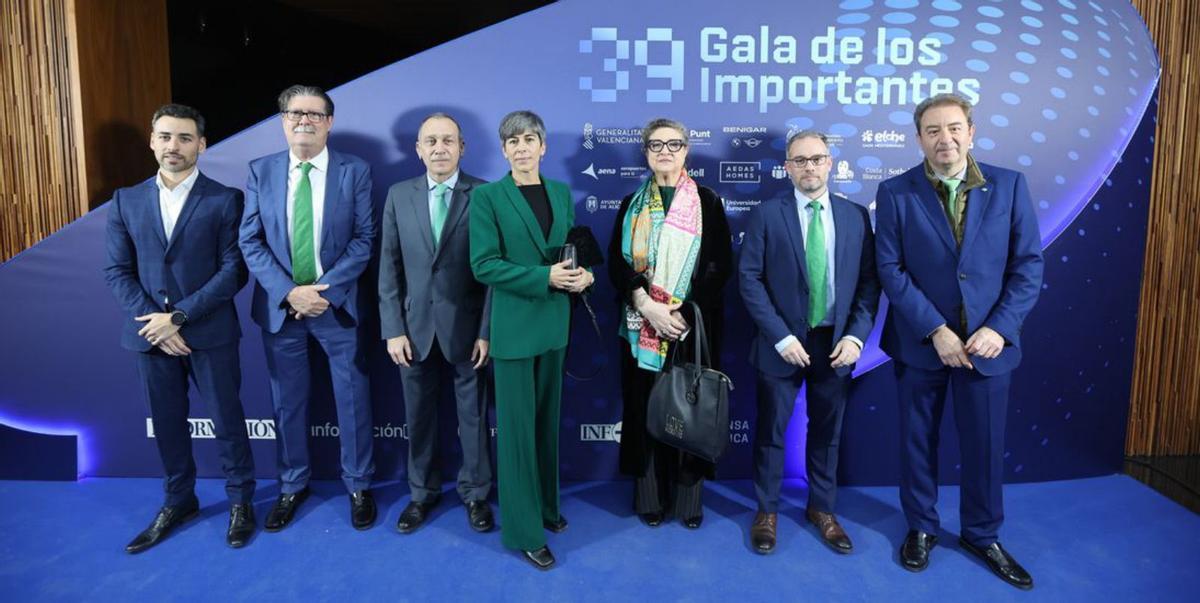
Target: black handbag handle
{"type": "Point", "coordinates": [702, 341]}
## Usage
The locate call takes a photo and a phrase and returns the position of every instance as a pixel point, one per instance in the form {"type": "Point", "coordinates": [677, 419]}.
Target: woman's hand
{"type": "Point", "coordinates": [568, 279]}
{"type": "Point", "coordinates": [664, 318]}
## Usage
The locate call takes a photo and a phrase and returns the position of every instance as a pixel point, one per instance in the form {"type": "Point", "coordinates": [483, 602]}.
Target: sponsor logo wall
{"type": "Point", "coordinates": [1064, 92]}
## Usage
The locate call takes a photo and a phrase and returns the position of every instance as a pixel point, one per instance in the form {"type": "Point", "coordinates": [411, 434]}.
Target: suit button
{"type": "Point", "coordinates": [962, 277]}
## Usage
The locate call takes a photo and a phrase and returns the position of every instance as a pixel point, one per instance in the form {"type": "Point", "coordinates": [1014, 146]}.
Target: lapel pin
{"type": "Point", "coordinates": [984, 189]}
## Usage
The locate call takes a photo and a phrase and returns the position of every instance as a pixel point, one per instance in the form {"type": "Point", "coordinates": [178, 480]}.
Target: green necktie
{"type": "Point", "coordinates": [437, 216]}
{"type": "Point", "coordinates": [814, 253]}
{"type": "Point", "coordinates": [952, 199]}
{"type": "Point", "coordinates": [304, 263]}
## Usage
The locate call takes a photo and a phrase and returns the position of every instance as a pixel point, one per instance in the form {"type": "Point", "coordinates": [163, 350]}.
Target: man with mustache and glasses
{"type": "Point", "coordinates": [959, 257]}
{"type": "Point", "coordinates": [434, 316]}
{"type": "Point", "coordinates": [307, 234]}
{"type": "Point", "coordinates": [174, 266]}
{"type": "Point", "coordinates": [808, 280]}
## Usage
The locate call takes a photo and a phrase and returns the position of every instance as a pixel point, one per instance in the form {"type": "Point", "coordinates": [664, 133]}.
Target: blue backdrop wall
{"type": "Point", "coordinates": [1064, 91]}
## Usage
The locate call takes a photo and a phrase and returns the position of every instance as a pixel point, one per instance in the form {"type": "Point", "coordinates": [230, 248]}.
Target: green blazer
{"type": "Point", "coordinates": [510, 255]}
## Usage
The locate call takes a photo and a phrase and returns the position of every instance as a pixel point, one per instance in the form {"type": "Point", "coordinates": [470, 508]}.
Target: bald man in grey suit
{"type": "Point", "coordinates": [434, 316]}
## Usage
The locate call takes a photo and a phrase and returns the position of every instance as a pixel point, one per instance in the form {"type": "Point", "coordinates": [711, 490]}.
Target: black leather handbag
{"type": "Point", "coordinates": [689, 403]}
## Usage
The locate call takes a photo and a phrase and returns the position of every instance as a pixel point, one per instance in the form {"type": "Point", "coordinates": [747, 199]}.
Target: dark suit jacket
{"type": "Point", "coordinates": [929, 281]}
{"type": "Point", "coordinates": [199, 270]}
{"type": "Point", "coordinates": [426, 292]}
{"type": "Point", "coordinates": [774, 278]}
{"type": "Point", "coordinates": [347, 235]}
{"type": "Point", "coordinates": [510, 254]}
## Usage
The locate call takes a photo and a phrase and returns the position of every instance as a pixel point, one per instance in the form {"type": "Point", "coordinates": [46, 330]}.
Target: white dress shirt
{"type": "Point", "coordinates": [802, 207]}
{"type": "Point", "coordinates": [170, 201]}
{"type": "Point", "coordinates": [316, 178]}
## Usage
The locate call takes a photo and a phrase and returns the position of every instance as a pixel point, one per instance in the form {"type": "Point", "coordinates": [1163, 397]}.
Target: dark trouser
{"type": "Point", "coordinates": [980, 410]}
{"type": "Point", "coordinates": [287, 363]}
{"type": "Point", "coordinates": [825, 405]}
{"type": "Point", "coordinates": [422, 399]}
{"type": "Point", "coordinates": [664, 487]}
{"type": "Point", "coordinates": [217, 374]}
{"type": "Point", "coordinates": [528, 401]}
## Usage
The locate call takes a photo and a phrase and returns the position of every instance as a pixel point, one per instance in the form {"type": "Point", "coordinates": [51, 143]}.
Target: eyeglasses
{"type": "Point", "coordinates": [815, 161]}
{"type": "Point", "coordinates": [674, 145]}
{"type": "Point", "coordinates": [314, 116]}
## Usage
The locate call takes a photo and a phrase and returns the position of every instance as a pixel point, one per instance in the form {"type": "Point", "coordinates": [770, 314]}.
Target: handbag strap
{"type": "Point", "coordinates": [701, 347]}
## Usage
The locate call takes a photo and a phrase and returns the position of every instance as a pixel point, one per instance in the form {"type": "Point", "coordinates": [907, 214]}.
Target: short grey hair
{"type": "Point", "coordinates": [941, 100]}
{"type": "Point", "coordinates": [794, 136]}
{"type": "Point", "coordinates": [295, 90]}
{"type": "Point", "coordinates": [662, 122]}
{"type": "Point", "coordinates": [518, 122]}
{"type": "Point", "coordinates": [441, 115]}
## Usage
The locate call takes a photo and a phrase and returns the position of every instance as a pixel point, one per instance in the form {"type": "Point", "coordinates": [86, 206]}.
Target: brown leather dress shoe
{"type": "Point", "coordinates": [762, 532]}
{"type": "Point", "coordinates": [831, 531]}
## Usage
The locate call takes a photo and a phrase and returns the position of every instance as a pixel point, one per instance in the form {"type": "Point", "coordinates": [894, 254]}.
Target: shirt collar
{"type": "Point", "coordinates": [450, 182]}
{"type": "Point", "coordinates": [803, 200]}
{"type": "Point", "coordinates": [182, 187]}
{"type": "Point", "coordinates": [319, 163]}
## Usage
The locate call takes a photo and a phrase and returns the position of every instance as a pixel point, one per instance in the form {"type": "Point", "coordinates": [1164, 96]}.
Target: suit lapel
{"type": "Point", "coordinates": [521, 206]}
{"type": "Point", "coordinates": [791, 219]}
{"type": "Point", "coordinates": [929, 201]}
{"type": "Point", "coordinates": [274, 201]}
{"type": "Point", "coordinates": [153, 211]}
{"type": "Point", "coordinates": [333, 196]}
{"type": "Point", "coordinates": [558, 227]}
{"type": "Point", "coordinates": [843, 227]}
{"type": "Point", "coordinates": [189, 208]}
{"type": "Point", "coordinates": [458, 205]}
{"type": "Point", "coordinates": [976, 207]}
{"type": "Point", "coordinates": [420, 208]}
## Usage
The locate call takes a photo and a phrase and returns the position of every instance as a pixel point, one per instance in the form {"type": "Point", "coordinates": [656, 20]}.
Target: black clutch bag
{"type": "Point", "coordinates": [689, 403]}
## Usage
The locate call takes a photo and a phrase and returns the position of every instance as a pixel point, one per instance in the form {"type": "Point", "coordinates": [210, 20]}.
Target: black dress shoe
{"type": "Point", "coordinates": [362, 509]}
{"type": "Point", "coordinates": [241, 525]}
{"type": "Point", "coordinates": [284, 510]}
{"type": "Point", "coordinates": [414, 515]}
{"type": "Point", "coordinates": [1001, 563]}
{"type": "Point", "coordinates": [167, 519]}
{"type": "Point", "coordinates": [479, 515]}
{"type": "Point", "coordinates": [914, 553]}
{"type": "Point", "coordinates": [693, 523]}
{"type": "Point", "coordinates": [652, 520]}
{"type": "Point", "coordinates": [762, 532]}
{"type": "Point", "coordinates": [558, 527]}
{"type": "Point", "coordinates": [541, 558]}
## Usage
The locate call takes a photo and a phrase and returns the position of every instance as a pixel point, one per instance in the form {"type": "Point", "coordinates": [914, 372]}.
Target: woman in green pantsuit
{"type": "Point", "coordinates": [518, 226]}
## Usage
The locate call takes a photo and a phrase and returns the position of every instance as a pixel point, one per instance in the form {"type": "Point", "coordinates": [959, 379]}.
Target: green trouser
{"type": "Point", "coordinates": [528, 397]}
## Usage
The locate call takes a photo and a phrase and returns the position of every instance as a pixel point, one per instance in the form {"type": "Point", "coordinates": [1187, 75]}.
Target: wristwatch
{"type": "Point", "coordinates": [178, 317]}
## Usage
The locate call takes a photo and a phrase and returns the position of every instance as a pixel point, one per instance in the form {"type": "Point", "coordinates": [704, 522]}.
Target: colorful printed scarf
{"type": "Point", "coordinates": [663, 245]}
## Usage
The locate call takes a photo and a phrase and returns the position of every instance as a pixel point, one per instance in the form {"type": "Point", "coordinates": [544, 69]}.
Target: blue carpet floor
{"type": "Point", "coordinates": [1102, 539]}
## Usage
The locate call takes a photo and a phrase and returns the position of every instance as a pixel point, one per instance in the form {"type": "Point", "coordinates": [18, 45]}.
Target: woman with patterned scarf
{"type": "Point", "coordinates": [670, 245]}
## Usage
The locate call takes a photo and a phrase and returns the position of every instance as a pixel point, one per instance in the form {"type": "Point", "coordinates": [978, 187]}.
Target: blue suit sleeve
{"type": "Point", "coordinates": [231, 275]}
{"type": "Point", "coordinates": [1023, 273]}
{"type": "Point", "coordinates": [252, 238]}
{"type": "Point", "coordinates": [866, 293]}
{"type": "Point", "coordinates": [752, 280]}
{"type": "Point", "coordinates": [903, 294]}
{"type": "Point", "coordinates": [347, 268]}
{"type": "Point", "coordinates": [121, 272]}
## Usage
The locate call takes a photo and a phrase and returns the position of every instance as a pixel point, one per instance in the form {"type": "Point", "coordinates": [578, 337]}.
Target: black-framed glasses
{"type": "Point", "coordinates": [314, 116]}
{"type": "Point", "coordinates": [815, 161]}
{"type": "Point", "coordinates": [674, 145]}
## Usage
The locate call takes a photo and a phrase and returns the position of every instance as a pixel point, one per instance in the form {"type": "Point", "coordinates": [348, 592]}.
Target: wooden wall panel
{"type": "Point", "coordinates": [1164, 417]}
{"type": "Point", "coordinates": [80, 80]}
{"type": "Point", "coordinates": [40, 176]}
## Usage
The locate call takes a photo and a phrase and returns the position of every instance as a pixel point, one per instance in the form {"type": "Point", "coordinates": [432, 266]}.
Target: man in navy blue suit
{"type": "Point", "coordinates": [807, 276]}
{"type": "Point", "coordinates": [174, 267]}
{"type": "Point", "coordinates": [307, 234]}
{"type": "Point", "coordinates": [960, 260]}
